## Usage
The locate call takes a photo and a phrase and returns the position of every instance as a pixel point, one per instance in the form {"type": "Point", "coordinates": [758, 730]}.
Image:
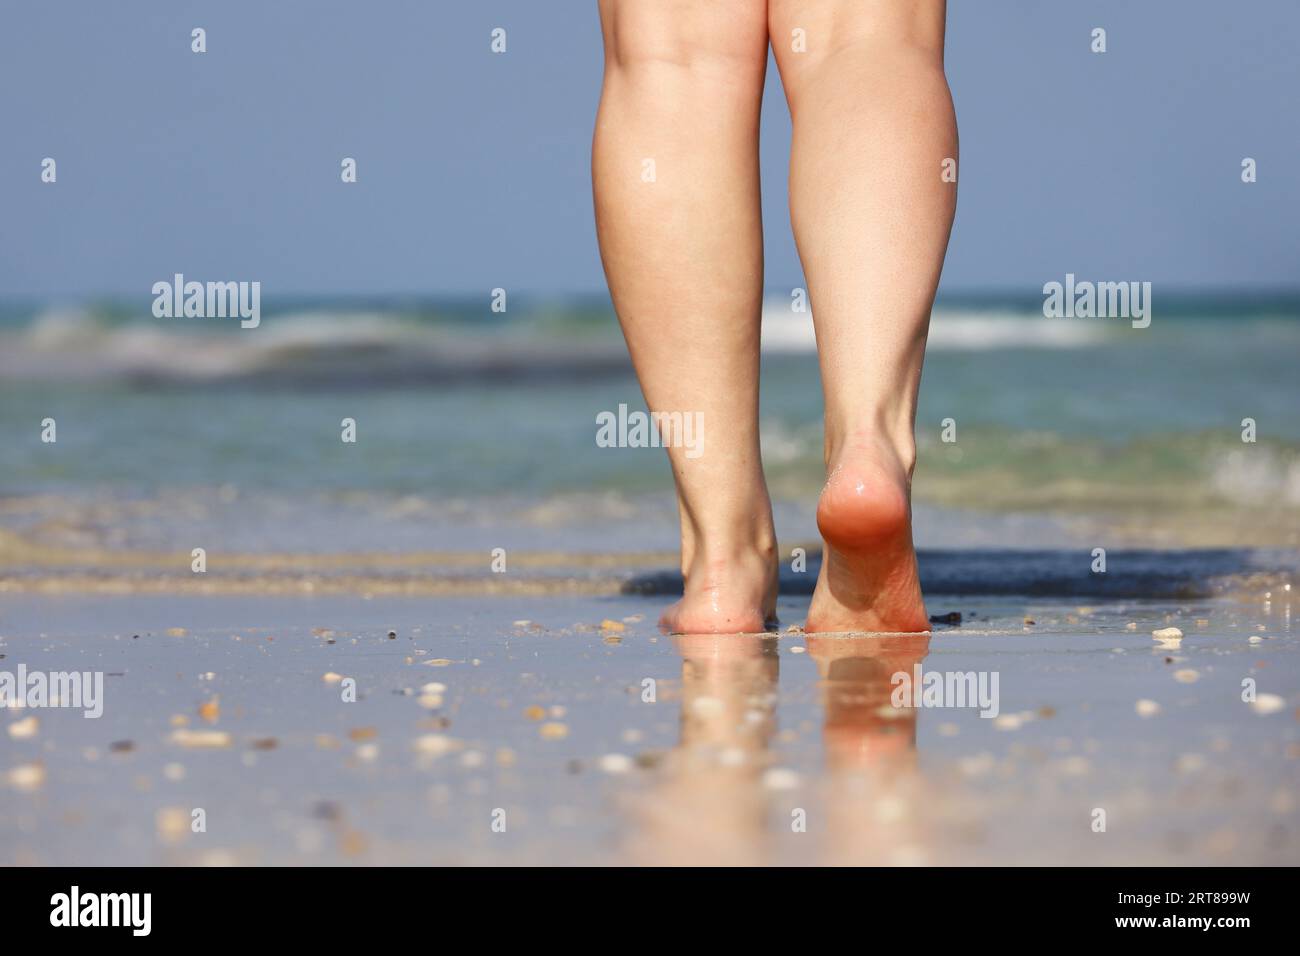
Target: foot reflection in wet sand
{"type": "Point", "coordinates": [872, 791]}
{"type": "Point", "coordinates": [716, 802]}
{"type": "Point", "coordinates": [711, 806]}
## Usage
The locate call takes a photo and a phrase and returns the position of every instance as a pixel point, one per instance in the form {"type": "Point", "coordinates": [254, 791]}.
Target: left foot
{"type": "Point", "coordinates": [732, 596]}
{"type": "Point", "coordinates": [868, 580]}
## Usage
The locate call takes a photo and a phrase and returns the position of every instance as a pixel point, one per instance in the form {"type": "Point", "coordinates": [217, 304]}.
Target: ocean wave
{"type": "Point", "coordinates": [319, 347]}
{"type": "Point", "coordinates": [950, 330]}
{"type": "Point", "coordinates": [394, 344]}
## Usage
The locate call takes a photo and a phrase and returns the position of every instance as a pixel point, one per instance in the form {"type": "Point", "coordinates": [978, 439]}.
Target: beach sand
{"type": "Point", "coordinates": [519, 729]}
{"type": "Point", "coordinates": [476, 739]}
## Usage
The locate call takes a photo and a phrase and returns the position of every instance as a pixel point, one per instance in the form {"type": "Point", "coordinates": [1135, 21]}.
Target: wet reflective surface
{"type": "Point", "coordinates": [520, 730]}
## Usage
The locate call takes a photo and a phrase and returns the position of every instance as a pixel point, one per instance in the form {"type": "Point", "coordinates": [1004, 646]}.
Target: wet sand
{"type": "Point", "coordinates": [783, 748]}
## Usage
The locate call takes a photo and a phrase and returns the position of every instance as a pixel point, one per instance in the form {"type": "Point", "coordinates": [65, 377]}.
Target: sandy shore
{"type": "Point", "coordinates": [519, 729]}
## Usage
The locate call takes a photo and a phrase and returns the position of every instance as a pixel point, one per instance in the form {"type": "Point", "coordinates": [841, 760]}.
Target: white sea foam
{"type": "Point", "coordinates": [950, 329]}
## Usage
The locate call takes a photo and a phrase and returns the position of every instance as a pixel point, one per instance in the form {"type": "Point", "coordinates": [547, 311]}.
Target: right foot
{"type": "Point", "coordinates": [868, 580]}
{"type": "Point", "coordinates": [730, 596]}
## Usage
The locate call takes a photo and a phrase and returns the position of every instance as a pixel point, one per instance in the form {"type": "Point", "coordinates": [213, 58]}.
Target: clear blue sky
{"type": "Point", "coordinates": [474, 167]}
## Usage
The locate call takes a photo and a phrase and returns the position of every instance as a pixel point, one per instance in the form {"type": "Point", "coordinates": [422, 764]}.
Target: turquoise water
{"type": "Point", "coordinates": [452, 400]}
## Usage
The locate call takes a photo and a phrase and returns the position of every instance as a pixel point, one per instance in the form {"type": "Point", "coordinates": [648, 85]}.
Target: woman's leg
{"type": "Point", "coordinates": [873, 125]}
{"type": "Point", "coordinates": [675, 168]}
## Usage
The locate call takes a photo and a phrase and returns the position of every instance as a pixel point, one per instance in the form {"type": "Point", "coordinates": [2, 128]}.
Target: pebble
{"type": "Point", "coordinates": [1147, 708]}
{"type": "Point", "coordinates": [798, 649]}
{"type": "Point", "coordinates": [553, 731]}
{"type": "Point", "coordinates": [201, 739]}
{"type": "Point", "coordinates": [332, 678]}
{"type": "Point", "coordinates": [615, 763]}
{"type": "Point", "coordinates": [210, 710]}
{"type": "Point", "coordinates": [25, 728]}
{"type": "Point", "coordinates": [172, 824]}
{"type": "Point", "coordinates": [435, 745]}
{"type": "Point", "coordinates": [1255, 639]}
{"type": "Point", "coordinates": [707, 706]}
{"type": "Point", "coordinates": [29, 776]}
{"type": "Point", "coordinates": [534, 712]}
{"type": "Point", "coordinates": [781, 778]}
{"type": "Point", "coordinates": [176, 632]}
{"type": "Point", "coordinates": [1169, 637]}
{"type": "Point", "coordinates": [612, 625]}
{"type": "Point", "coordinates": [174, 772]}
{"type": "Point", "coordinates": [433, 687]}
{"type": "Point", "coordinates": [1186, 676]}
{"type": "Point", "coordinates": [1268, 704]}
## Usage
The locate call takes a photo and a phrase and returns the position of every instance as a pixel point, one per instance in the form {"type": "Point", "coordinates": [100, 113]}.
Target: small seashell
{"type": "Point", "coordinates": [615, 763]}
{"type": "Point", "coordinates": [24, 729]}
{"type": "Point", "coordinates": [28, 776]}
{"type": "Point", "coordinates": [201, 739]}
{"type": "Point", "coordinates": [1168, 637]}
{"type": "Point", "coordinates": [781, 778]}
{"type": "Point", "coordinates": [1268, 704]}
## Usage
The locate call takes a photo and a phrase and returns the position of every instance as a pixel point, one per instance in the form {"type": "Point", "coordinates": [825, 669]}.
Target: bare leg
{"type": "Point", "coordinates": [873, 125]}
{"type": "Point", "coordinates": [675, 168]}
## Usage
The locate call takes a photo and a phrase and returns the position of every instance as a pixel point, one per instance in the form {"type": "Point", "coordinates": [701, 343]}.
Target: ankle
{"type": "Point", "coordinates": [874, 440]}
{"type": "Point", "coordinates": [720, 556]}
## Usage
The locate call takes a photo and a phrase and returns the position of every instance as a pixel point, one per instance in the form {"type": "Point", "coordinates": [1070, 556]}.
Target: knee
{"type": "Point", "coordinates": [904, 32]}
{"type": "Point", "coordinates": [719, 39]}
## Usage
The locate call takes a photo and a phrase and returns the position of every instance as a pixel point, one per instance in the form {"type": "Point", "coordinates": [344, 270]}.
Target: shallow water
{"type": "Point", "coordinates": [548, 722]}
{"type": "Point", "coordinates": [1051, 416]}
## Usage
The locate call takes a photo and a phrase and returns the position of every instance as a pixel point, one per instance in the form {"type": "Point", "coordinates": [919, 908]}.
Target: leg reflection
{"type": "Point", "coordinates": [873, 791]}
{"type": "Point", "coordinates": [711, 807]}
